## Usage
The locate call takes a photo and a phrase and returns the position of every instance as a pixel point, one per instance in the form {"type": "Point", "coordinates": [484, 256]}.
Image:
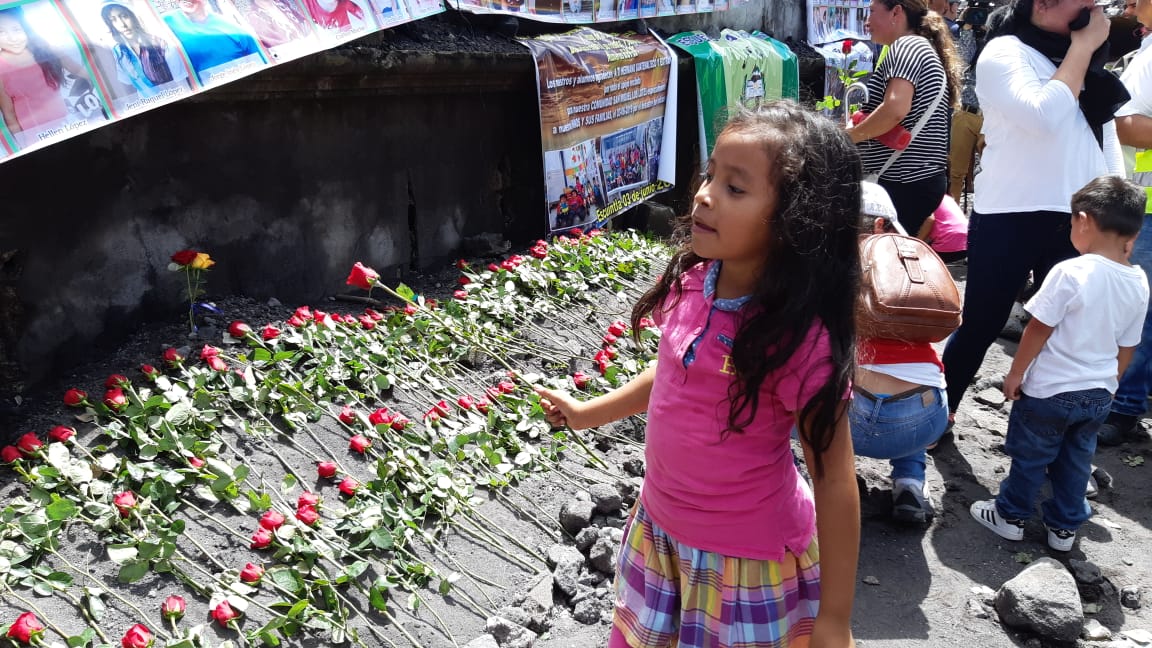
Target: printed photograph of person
{"type": "Point", "coordinates": [46, 91]}
{"type": "Point", "coordinates": [417, 9]}
{"type": "Point", "coordinates": [627, 9]}
{"type": "Point", "coordinates": [665, 7]}
{"type": "Point", "coordinates": [137, 60]}
{"type": "Point", "coordinates": [573, 186]}
{"type": "Point", "coordinates": [685, 6]}
{"type": "Point", "coordinates": [647, 8]}
{"type": "Point", "coordinates": [605, 10]}
{"type": "Point", "coordinates": [341, 20]}
{"type": "Point", "coordinates": [624, 158]}
{"type": "Point", "coordinates": [218, 47]}
{"type": "Point", "coordinates": [281, 26]}
{"type": "Point", "coordinates": [390, 12]}
{"type": "Point", "coordinates": [578, 11]}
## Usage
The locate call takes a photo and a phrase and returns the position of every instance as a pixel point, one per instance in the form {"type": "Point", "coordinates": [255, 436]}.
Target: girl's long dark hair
{"type": "Point", "coordinates": [811, 271]}
{"type": "Point", "coordinates": [152, 59]}
{"type": "Point", "coordinates": [44, 56]}
{"type": "Point", "coordinates": [929, 24]}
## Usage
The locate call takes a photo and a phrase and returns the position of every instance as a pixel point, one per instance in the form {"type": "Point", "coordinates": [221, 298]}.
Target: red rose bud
{"type": "Point", "coordinates": [360, 443]}
{"type": "Point", "coordinates": [602, 366]}
{"type": "Point", "coordinates": [75, 398]}
{"type": "Point", "coordinates": [115, 400]}
{"type": "Point", "coordinates": [272, 520]}
{"type": "Point", "coordinates": [239, 329]}
{"type": "Point", "coordinates": [269, 332]}
{"type": "Point", "coordinates": [374, 314]}
{"type": "Point", "coordinates": [367, 322]}
{"type": "Point", "coordinates": [149, 371]}
{"type": "Point", "coordinates": [461, 264]}
{"type": "Point", "coordinates": [138, 636]}
{"type": "Point", "coordinates": [463, 281]}
{"type": "Point", "coordinates": [380, 417]}
{"type": "Point", "coordinates": [465, 402]}
{"type": "Point", "coordinates": [172, 357]}
{"type": "Point", "coordinates": [173, 607]}
{"type": "Point", "coordinates": [563, 239]}
{"type": "Point", "coordinates": [442, 408]}
{"type": "Point", "coordinates": [647, 323]}
{"type": "Point", "coordinates": [26, 628]}
{"type": "Point", "coordinates": [307, 515]}
{"type": "Point", "coordinates": [124, 502]}
{"type": "Point", "coordinates": [482, 405]}
{"type": "Point", "coordinates": [307, 499]}
{"type": "Point", "coordinates": [492, 267]}
{"type": "Point", "coordinates": [224, 613]}
{"type": "Point", "coordinates": [508, 264]}
{"type": "Point", "coordinates": [10, 454]}
{"type": "Point", "coordinates": [506, 387]}
{"type": "Point", "coordinates": [411, 309]}
{"type": "Point", "coordinates": [347, 415]}
{"type": "Point", "coordinates": [601, 356]}
{"type": "Point", "coordinates": [196, 462]}
{"type": "Point", "coordinates": [580, 379]}
{"type": "Point", "coordinates": [184, 257]}
{"type": "Point", "coordinates": [348, 486]}
{"type": "Point", "coordinates": [399, 423]}
{"type": "Point", "coordinates": [594, 232]}
{"type": "Point", "coordinates": [611, 352]}
{"type": "Point", "coordinates": [251, 573]}
{"type": "Point", "coordinates": [539, 253]}
{"type": "Point", "coordinates": [610, 339]}
{"type": "Point", "coordinates": [326, 469]}
{"type": "Point", "coordinates": [576, 231]}
{"type": "Point", "coordinates": [61, 433]}
{"type": "Point", "coordinates": [303, 312]}
{"type": "Point", "coordinates": [492, 393]}
{"type": "Point", "coordinates": [432, 418]}
{"type": "Point", "coordinates": [617, 328]}
{"type": "Point", "coordinates": [296, 322]}
{"type": "Point", "coordinates": [29, 444]}
{"type": "Point", "coordinates": [116, 380]}
{"type": "Point", "coordinates": [362, 276]}
{"type": "Point", "coordinates": [461, 295]}
{"type": "Point", "coordinates": [262, 538]}
{"type": "Point", "coordinates": [209, 351]}
{"type": "Point", "coordinates": [847, 47]}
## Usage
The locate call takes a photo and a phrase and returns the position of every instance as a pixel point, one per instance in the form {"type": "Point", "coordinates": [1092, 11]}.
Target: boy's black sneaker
{"type": "Point", "coordinates": [1117, 429]}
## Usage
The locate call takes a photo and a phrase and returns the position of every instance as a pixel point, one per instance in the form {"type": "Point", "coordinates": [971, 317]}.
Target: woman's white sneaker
{"type": "Point", "coordinates": [986, 514]}
{"type": "Point", "coordinates": [1061, 539]}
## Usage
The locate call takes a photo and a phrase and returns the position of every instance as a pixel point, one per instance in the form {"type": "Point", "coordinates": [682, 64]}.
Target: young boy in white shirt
{"type": "Point", "coordinates": [1086, 321]}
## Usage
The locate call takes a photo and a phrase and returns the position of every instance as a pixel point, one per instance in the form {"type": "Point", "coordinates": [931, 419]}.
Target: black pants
{"type": "Point", "coordinates": [1002, 249]}
{"type": "Point", "coordinates": [915, 201]}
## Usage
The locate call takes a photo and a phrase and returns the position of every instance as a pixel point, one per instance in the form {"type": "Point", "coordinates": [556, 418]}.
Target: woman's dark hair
{"type": "Point", "coordinates": [1007, 19]}
{"type": "Point", "coordinates": [152, 59]}
{"type": "Point", "coordinates": [811, 272]}
{"type": "Point", "coordinates": [929, 24]}
{"type": "Point", "coordinates": [43, 55]}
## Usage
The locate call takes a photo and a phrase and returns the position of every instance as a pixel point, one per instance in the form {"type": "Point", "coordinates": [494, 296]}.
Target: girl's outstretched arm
{"type": "Point", "coordinates": [632, 398]}
{"type": "Point", "coordinates": [838, 530]}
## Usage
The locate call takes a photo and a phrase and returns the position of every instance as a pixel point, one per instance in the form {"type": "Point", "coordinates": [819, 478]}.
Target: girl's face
{"type": "Point", "coordinates": [731, 210]}
{"type": "Point", "coordinates": [122, 22]}
{"type": "Point", "coordinates": [12, 37]}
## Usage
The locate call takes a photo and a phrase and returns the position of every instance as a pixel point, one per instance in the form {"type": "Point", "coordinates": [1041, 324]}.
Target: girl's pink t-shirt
{"type": "Point", "coordinates": [737, 494]}
{"type": "Point", "coordinates": [36, 103]}
{"type": "Point", "coordinates": [950, 233]}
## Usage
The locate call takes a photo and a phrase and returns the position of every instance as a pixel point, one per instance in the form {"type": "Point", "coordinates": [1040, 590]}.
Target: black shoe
{"type": "Point", "coordinates": [908, 503]}
{"type": "Point", "coordinates": [1117, 429]}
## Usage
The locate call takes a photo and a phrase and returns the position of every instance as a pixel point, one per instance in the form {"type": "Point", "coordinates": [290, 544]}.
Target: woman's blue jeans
{"type": "Point", "coordinates": [1136, 384]}
{"type": "Point", "coordinates": [899, 430]}
{"type": "Point", "coordinates": [1052, 438]}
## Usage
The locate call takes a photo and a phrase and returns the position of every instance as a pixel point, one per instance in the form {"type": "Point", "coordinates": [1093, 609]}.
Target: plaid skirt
{"type": "Point", "coordinates": [669, 594]}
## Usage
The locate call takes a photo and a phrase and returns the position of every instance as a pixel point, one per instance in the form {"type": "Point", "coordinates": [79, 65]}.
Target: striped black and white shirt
{"type": "Point", "coordinates": [913, 59]}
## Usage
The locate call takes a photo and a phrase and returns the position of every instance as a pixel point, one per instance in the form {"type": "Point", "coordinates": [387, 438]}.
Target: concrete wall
{"type": "Point", "coordinates": [373, 152]}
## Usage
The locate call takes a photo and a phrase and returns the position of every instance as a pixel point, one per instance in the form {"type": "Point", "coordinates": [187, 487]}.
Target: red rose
{"type": "Point", "coordinates": [262, 538]}
{"type": "Point", "coordinates": [461, 295]}
{"type": "Point", "coordinates": [61, 433]}
{"type": "Point", "coordinates": [602, 365]}
{"type": "Point", "coordinates": [348, 486]}
{"type": "Point", "coordinates": [115, 400]}
{"type": "Point", "coordinates": [399, 423]}
{"type": "Point", "coordinates": [360, 443]}
{"type": "Point", "coordinates": [563, 239]}
{"type": "Point", "coordinates": [594, 232]}
{"type": "Point", "coordinates": [26, 628]}
{"type": "Point", "coordinates": [239, 329]}
{"type": "Point", "coordinates": [610, 339]}
{"type": "Point", "coordinates": [506, 387]}
{"type": "Point", "coordinates": [75, 398]}
{"type": "Point", "coordinates": [209, 351]}
{"type": "Point", "coordinates": [618, 328]}
{"type": "Point", "coordinates": [580, 379]}
{"type": "Point", "coordinates": [116, 380]}
{"type": "Point", "coordinates": [380, 417]}
{"type": "Point", "coordinates": [347, 415]}
{"type": "Point", "coordinates": [847, 47]}
{"type": "Point", "coordinates": [442, 408]}
{"type": "Point", "coordinates": [29, 444]}
{"type": "Point", "coordinates": [196, 462]}
{"type": "Point", "coordinates": [307, 515]}
{"type": "Point", "coordinates": [224, 613]}
{"type": "Point", "coordinates": [269, 332]}
{"type": "Point", "coordinates": [172, 357]}
{"type": "Point", "coordinates": [138, 636]}
{"type": "Point", "coordinates": [124, 501]}
{"type": "Point", "coordinates": [251, 573]}
{"type": "Point", "coordinates": [374, 314]}
{"type": "Point", "coordinates": [10, 454]}
{"type": "Point", "coordinates": [492, 393]}
{"type": "Point", "coordinates": [184, 257]}
{"type": "Point", "coordinates": [508, 264]}
{"type": "Point", "coordinates": [464, 281]}
{"type": "Point", "coordinates": [411, 309]}
{"type": "Point", "coordinates": [367, 322]}
{"type": "Point", "coordinates": [303, 312]}
{"type": "Point", "coordinates": [610, 352]}
{"type": "Point", "coordinates": [647, 323]}
{"type": "Point", "coordinates": [362, 276]}
{"type": "Point", "coordinates": [296, 322]}
{"type": "Point", "coordinates": [539, 253]}
{"type": "Point", "coordinates": [576, 231]}
{"type": "Point", "coordinates": [326, 469]}
{"type": "Point", "coordinates": [149, 371]}
{"type": "Point", "coordinates": [461, 264]}
{"type": "Point", "coordinates": [492, 267]}
{"type": "Point", "coordinates": [307, 498]}
{"type": "Point", "coordinates": [173, 607]}
{"type": "Point", "coordinates": [432, 418]}
{"type": "Point", "coordinates": [465, 402]}
{"type": "Point", "coordinates": [217, 363]}
{"type": "Point", "coordinates": [272, 520]}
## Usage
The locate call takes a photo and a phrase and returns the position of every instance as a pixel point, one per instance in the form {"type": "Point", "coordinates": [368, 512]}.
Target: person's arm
{"type": "Point", "coordinates": [1035, 336]}
{"type": "Point", "coordinates": [1084, 43]}
{"type": "Point", "coordinates": [632, 398]}
{"type": "Point", "coordinates": [8, 111]}
{"type": "Point", "coordinates": [895, 107]}
{"type": "Point", "coordinates": [838, 531]}
{"type": "Point", "coordinates": [925, 233]}
{"type": "Point", "coordinates": [1123, 359]}
{"type": "Point", "coordinates": [1113, 156]}
{"type": "Point", "coordinates": [1135, 131]}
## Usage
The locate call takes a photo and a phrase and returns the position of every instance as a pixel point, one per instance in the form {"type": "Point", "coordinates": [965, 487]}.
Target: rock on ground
{"type": "Point", "coordinates": [509, 634]}
{"type": "Point", "coordinates": [483, 641]}
{"type": "Point", "coordinates": [575, 514]}
{"type": "Point", "coordinates": [1043, 599]}
{"type": "Point", "coordinates": [606, 498]}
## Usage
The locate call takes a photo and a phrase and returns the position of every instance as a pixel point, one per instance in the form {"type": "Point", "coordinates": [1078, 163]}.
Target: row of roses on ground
{"type": "Point", "coordinates": [340, 366]}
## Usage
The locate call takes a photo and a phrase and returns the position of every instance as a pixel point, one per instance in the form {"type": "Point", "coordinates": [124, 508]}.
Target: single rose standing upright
{"type": "Point", "coordinates": [173, 607]}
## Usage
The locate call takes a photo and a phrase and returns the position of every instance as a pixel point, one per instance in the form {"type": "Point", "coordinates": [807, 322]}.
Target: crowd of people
{"type": "Point", "coordinates": [728, 544]}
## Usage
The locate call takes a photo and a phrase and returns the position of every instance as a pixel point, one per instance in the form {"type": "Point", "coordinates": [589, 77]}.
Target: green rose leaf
{"type": "Point", "coordinates": [60, 509]}
{"type": "Point", "coordinates": [132, 571]}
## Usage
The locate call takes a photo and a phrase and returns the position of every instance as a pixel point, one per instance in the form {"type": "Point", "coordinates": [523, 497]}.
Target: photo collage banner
{"type": "Point", "coordinates": [830, 24]}
{"type": "Point", "coordinates": [69, 66]}
{"type": "Point", "coordinates": [580, 12]}
{"type": "Point", "coordinates": [604, 102]}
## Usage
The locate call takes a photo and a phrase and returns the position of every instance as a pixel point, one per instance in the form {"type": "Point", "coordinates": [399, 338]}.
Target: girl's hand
{"type": "Point", "coordinates": [829, 633]}
{"type": "Point", "coordinates": [561, 409]}
{"type": "Point", "coordinates": [1096, 32]}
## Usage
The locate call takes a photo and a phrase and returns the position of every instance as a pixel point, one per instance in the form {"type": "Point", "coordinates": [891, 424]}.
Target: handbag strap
{"type": "Point", "coordinates": [919, 125]}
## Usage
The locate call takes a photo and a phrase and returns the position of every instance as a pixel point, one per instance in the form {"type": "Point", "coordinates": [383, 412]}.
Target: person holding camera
{"type": "Point", "coordinates": [1048, 108]}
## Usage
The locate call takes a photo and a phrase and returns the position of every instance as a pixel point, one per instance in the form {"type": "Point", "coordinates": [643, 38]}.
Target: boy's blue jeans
{"type": "Point", "coordinates": [1052, 438]}
{"type": "Point", "coordinates": [899, 430]}
{"type": "Point", "coordinates": [1136, 384]}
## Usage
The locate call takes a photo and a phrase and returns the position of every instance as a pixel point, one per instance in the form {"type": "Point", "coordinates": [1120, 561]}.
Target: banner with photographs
{"type": "Point", "coordinates": [68, 66]}
{"type": "Point", "coordinates": [736, 69]}
{"type": "Point", "coordinates": [581, 12]}
{"type": "Point", "coordinates": [604, 102]}
{"type": "Point", "coordinates": [831, 21]}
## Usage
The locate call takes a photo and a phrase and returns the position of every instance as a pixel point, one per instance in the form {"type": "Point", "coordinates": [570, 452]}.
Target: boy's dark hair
{"type": "Point", "coordinates": [812, 270]}
{"type": "Point", "coordinates": [1116, 204]}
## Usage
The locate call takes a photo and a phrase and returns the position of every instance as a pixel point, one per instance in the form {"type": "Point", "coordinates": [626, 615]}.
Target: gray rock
{"type": "Point", "coordinates": [629, 489]}
{"type": "Point", "coordinates": [540, 594]}
{"type": "Point", "coordinates": [987, 594]}
{"type": "Point", "coordinates": [1085, 572]}
{"type": "Point", "coordinates": [871, 580]}
{"type": "Point", "coordinates": [509, 634]}
{"type": "Point", "coordinates": [483, 641]}
{"type": "Point", "coordinates": [566, 574]}
{"type": "Point", "coordinates": [591, 578]}
{"type": "Point", "coordinates": [991, 421]}
{"type": "Point", "coordinates": [275, 303]}
{"type": "Point", "coordinates": [606, 498]}
{"type": "Point", "coordinates": [1033, 643]}
{"type": "Point", "coordinates": [576, 514]}
{"type": "Point", "coordinates": [634, 467]}
{"type": "Point", "coordinates": [1130, 597]}
{"type": "Point", "coordinates": [603, 555]}
{"type": "Point", "coordinates": [612, 533]}
{"type": "Point", "coordinates": [560, 553]}
{"type": "Point", "coordinates": [516, 615]}
{"type": "Point", "coordinates": [586, 538]}
{"type": "Point", "coordinates": [1141, 637]}
{"type": "Point", "coordinates": [583, 496]}
{"type": "Point", "coordinates": [591, 610]}
{"type": "Point", "coordinates": [615, 522]}
{"type": "Point", "coordinates": [1103, 478]}
{"type": "Point", "coordinates": [1095, 631]}
{"type": "Point", "coordinates": [1043, 599]}
{"type": "Point", "coordinates": [990, 397]}
{"type": "Point", "coordinates": [976, 609]}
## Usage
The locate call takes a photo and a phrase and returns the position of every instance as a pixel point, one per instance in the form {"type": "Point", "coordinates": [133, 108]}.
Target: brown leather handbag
{"type": "Point", "coordinates": [907, 292]}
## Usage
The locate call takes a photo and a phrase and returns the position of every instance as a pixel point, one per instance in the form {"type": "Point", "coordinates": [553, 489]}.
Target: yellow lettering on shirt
{"type": "Point", "coordinates": [728, 368]}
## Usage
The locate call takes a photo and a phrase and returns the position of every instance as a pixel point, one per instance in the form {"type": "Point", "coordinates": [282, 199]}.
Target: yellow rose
{"type": "Point", "coordinates": [202, 261]}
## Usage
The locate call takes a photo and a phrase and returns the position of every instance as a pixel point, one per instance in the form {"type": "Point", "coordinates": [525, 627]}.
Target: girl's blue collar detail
{"type": "Point", "coordinates": [734, 304]}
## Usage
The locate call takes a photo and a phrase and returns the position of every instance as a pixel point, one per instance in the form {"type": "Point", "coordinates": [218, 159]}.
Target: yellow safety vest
{"type": "Point", "coordinates": [1142, 175]}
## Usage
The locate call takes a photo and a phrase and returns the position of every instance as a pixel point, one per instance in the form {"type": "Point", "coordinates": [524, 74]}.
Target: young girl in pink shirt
{"type": "Point", "coordinates": [946, 230]}
{"type": "Point", "coordinates": [757, 336]}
